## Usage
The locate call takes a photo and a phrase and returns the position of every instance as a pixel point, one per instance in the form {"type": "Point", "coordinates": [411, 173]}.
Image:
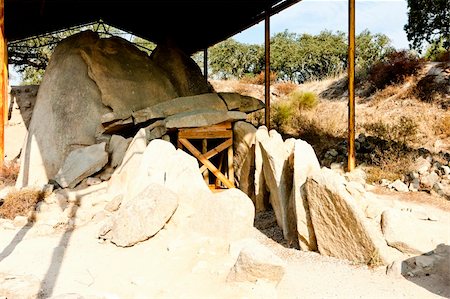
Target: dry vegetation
{"type": "Point", "coordinates": [8, 173]}
{"type": "Point", "coordinates": [20, 203]}
{"type": "Point", "coordinates": [402, 109]}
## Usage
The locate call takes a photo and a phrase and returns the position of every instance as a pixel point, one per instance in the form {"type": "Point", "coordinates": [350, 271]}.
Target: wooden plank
{"type": "Point", "coordinates": [230, 165]}
{"type": "Point", "coordinates": [3, 79]}
{"type": "Point", "coordinates": [205, 134]}
{"type": "Point", "coordinates": [206, 162]}
{"type": "Point", "coordinates": [218, 149]}
{"type": "Point", "coordinates": [204, 150]}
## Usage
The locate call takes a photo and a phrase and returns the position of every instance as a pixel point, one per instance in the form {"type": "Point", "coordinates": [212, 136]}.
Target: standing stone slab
{"type": "Point", "coordinates": [341, 229]}
{"type": "Point", "coordinates": [82, 163]}
{"type": "Point", "coordinates": [142, 217]}
{"type": "Point", "coordinates": [278, 174]}
{"type": "Point", "coordinates": [305, 163]}
{"type": "Point", "coordinates": [261, 193]}
{"type": "Point", "coordinates": [244, 139]}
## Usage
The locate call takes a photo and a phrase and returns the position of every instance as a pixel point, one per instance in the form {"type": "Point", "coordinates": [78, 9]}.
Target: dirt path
{"type": "Point", "coordinates": [174, 266]}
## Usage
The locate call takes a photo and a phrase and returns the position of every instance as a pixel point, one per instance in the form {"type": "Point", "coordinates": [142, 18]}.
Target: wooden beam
{"type": "Point", "coordinates": [205, 64]}
{"type": "Point", "coordinates": [3, 80]}
{"type": "Point", "coordinates": [207, 163]}
{"type": "Point", "coordinates": [218, 149]}
{"type": "Point", "coordinates": [267, 67]}
{"type": "Point", "coordinates": [351, 86]}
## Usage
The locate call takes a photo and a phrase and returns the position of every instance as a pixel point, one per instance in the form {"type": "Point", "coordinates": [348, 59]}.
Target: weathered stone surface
{"type": "Point", "coordinates": [114, 204]}
{"type": "Point", "coordinates": [429, 180]}
{"type": "Point", "coordinates": [278, 173]}
{"type": "Point", "coordinates": [67, 99]}
{"type": "Point", "coordinates": [340, 226]}
{"type": "Point", "coordinates": [244, 139]}
{"type": "Point", "coordinates": [261, 193]}
{"type": "Point", "coordinates": [80, 164]}
{"type": "Point", "coordinates": [117, 148]}
{"type": "Point", "coordinates": [243, 103]}
{"type": "Point", "coordinates": [409, 234]}
{"type": "Point", "coordinates": [184, 74]}
{"type": "Point", "coordinates": [256, 262]}
{"type": "Point", "coordinates": [305, 162]}
{"type": "Point", "coordinates": [142, 217]}
{"type": "Point", "coordinates": [127, 78]}
{"type": "Point", "coordinates": [116, 126]}
{"type": "Point", "coordinates": [399, 186]}
{"type": "Point", "coordinates": [124, 174]}
{"type": "Point", "coordinates": [227, 215]}
{"type": "Point", "coordinates": [210, 101]}
{"type": "Point", "coordinates": [19, 286]}
{"type": "Point", "coordinates": [161, 163]}
{"type": "Point", "coordinates": [202, 118]}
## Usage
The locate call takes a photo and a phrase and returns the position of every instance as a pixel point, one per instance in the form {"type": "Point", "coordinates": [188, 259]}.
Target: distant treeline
{"type": "Point", "coordinates": [296, 57]}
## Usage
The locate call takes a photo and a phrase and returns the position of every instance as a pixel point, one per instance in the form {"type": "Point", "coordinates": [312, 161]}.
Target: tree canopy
{"type": "Point", "coordinates": [428, 22]}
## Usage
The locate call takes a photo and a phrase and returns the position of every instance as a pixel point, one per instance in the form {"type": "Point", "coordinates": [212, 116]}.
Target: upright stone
{"type": "Point", "coordinates": [244, 139]}
{"type": "Point", "coordinates": [278, 173]}
{"type": "Point", "coordinates": [305, 163]}
{"type": "Point", "coordinates": [341, 229]}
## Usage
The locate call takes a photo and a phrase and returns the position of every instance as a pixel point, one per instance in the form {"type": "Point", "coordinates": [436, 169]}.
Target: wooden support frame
{"type": "Point", "coordinates": [218, 131]}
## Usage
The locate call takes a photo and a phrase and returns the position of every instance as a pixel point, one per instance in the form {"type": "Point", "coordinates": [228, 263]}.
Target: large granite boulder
{"type": "Point", "coordinates": [184, 74]}
{"type": "Point", "coordinates": [128, 80]}
{"type": "Point", "coordinates": [66, 115]}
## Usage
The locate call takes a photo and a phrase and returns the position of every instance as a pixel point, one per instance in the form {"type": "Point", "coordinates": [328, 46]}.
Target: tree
{"type": "Point", "coordinates": [428, 23]}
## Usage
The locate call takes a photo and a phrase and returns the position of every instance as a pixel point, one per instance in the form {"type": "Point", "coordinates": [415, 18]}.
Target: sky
{"type": "Point", "coordinates": [312, 16]}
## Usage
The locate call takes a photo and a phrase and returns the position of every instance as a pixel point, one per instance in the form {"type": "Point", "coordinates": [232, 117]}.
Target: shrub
{"type": "Point", "coordinates": [258, 79]}
{"type": "Point", "coordinates": [285, 88]}
{"type": "Point", "coordinates": [402, 131]}
{"type": "Point", "coordinates": [393, 69]}
{"type": "Point", "coordinates": [281, 114]}
{"type": "Point", "coordinates": [430, 90]}
{"type": "Point", "coordinates": [303, 100]}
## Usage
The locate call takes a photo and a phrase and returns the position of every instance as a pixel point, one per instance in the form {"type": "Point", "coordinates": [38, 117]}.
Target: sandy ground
{"type": "Point", "coordinates": [171, 265]}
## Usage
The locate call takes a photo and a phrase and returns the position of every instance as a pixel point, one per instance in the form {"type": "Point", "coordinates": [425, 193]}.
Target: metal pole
{"type": "Point", "coordinates": [3, 80]}
{"type": "Point", "coordinates": [267, 67]}
{"type": "Point", "coordinates": [205, 63]}
{"type": "Point", "coordinates": [351, 86]}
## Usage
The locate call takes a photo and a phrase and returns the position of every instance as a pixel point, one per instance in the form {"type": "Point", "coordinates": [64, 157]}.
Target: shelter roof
{"type": "Point", "coordinates": [192, 24]}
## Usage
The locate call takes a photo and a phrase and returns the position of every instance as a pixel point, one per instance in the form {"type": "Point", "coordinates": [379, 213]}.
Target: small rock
{"type": "Point", "coordinates": [332, 152]}
{"type": "Point", "coordinates": [429, 180]}
{"type": "Point", "coordinates": [20, 221]}
{"type": "Point", "coordinates": [425, 262]}
{"type": "Point", "coordinates": [384, 182]}
{"type": "Point", "coordinates": [256, 262]}
{"type": "Point", "coordinates": [445, 170]}
{"type": "Point", "coordinates": [422, 165]}
{"type": "Point", "coordinates": [114, 204]}
{"type": "Point", "coordinates": [395, 269]}
{"type": "Point", "coordinates": [93, 181]}
{"type": "Point", "coordinates": [414, 185]}
{"type": "Point", "coordinates": [399, 186]}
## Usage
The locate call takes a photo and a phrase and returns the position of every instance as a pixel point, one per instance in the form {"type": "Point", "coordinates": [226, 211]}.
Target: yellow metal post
{"type": "Point", "coordinates": [351, 86]}
{"type": "Point", "coordinates": [3, 80]}
{"type": "Point", "coordinates": [267, 68]}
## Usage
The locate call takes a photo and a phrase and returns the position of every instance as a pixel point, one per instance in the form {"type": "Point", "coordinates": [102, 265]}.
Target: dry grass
{"type": "Point", "coordinates": [9, 173]}
{"type": "Point", "coordinates": [285, 88]}
{"type": "Point", "coordinates": [20, 203]}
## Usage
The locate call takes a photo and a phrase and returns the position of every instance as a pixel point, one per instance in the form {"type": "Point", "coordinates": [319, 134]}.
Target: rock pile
{"type": "Point", "coordinates": [431, 172]}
